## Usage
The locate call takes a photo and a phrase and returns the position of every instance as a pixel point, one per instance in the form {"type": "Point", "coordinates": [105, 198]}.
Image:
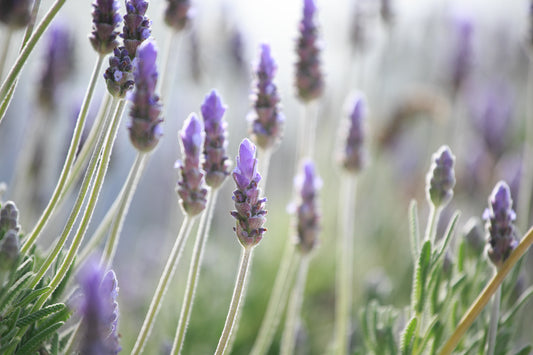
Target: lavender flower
{"type": "Point", "coordinates": [216, 162]}
{"type": "Point", "coordinates": [462, 55]}
{"type": "Point", "coordinates": [353, 158]}
{"type": "Point", "coordinates": [119, 75]}
{"type": "Point", "coordinates": [105, 22]}
{"type": "Point", "coordinates": [15, 13]}
{"type": "Point", "coordinates": [9, 218]}
{"type": "Point", "coordinates": [99, 309]}
{"type": "Point", "coordinates": [250, 210]}
{"type": "Point", "coordinates": [266, 120]}
{"type": "Point", "coordinates": [9, 250]}
{"type": "Point", "coordinates": [499, 218]}
{"type": "Point", "coordinates": [308, 225]}
{"type": "Point", "coordinates": [177, 14]}
{"type": "Point", "coordinates": [440, 179]}
{"type": "Point", "coordinates": [309, 81]}
{"type": "Point", "coordinates": [136, 26]}
{"type": "Point", "coordinates": [145, 129]}
{"type": "Point", "coordinates": [191, 186]}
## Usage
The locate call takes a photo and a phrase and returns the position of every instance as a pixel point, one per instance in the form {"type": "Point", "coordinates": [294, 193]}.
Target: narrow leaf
{"type": "Point", "coordinates": [406, 343]}
{"type": "Point", "coordinates": [40, 314]}
{"type": "Point", "coordinates": [15, 290]}
{"type": "Point", "coordinates": [421, 273]}
{"type": "Point", "coordinates": [516, 306]}
{"type": "Point", "coordinates": [38, 339]}
{"type": "Point", "coordinates": [447, 236]}
{"type": "Point", "coordinates": [525, 350]}
{"type": "Point", "coordinates": [414, 229]}
{"type": "Point", "coordinates": [31, 297]}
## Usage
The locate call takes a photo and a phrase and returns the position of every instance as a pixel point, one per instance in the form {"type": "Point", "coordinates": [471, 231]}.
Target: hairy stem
{"type": "Point", "coordinates": [5, 50]}
{"type": "Point", "coordinates": [494, 318]}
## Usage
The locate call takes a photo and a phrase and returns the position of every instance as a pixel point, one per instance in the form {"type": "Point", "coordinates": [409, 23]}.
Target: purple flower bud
{"type": "Point", "coordinates": [308, 216]}
{"type": "Point", "coordinates": [440, 179]}
{"type": "Point", "coordinates": [145, 129]}
{"type": "Point", "coordinates": [136, 26]}
{"type": "Point", "coordinates": [191, 189]}
{"type": "Point", "coordinates": [309, 81]}
{"type": "Point", "coordinates": [250, 210]}
{"type": "Point", "coordinates": [9, 250]}
{"type": "Point", "coordinates": [353, 157]}
{"type": "Point", "coordinates": [177, 14]}
{"type": "Point", "coordinates": [9, 218]}
{"type": "Point", "coordinates": [463, 52]}
{"type": "Point", "coordinates": [105, 22]}
{"type": "Point", "coordinates": [15, 13]}
{"type": "Point", "coordinates": [216, 162]}
{"type": "Point", "coordinates": [99, 309]}
{"type": "Point", "coordinates": [266, 120]}
{"type": "Point", "coordinates": [119, 75]}
{"type": "Point", "coordinates": [499, 218]}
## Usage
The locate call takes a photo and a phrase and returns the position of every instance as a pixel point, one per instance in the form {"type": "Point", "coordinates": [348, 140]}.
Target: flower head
{"type": "Point", "coordinates": [119, 74]}
{"type": "Point", "coordinates": [178, 14]}
{"type": "Point", "coordinates": [191, 187]}
{"type": "Point", "coordinates": [9, 218]}
{"type": "Point", "coordinates": [440, 179]}
{"type": "Point", "coordinates": [266, 120]}
{"type": "Point", "coordinates": [308, 216]}
{"type": "Point", "coordinates": [15, 13]}
{"type": "Point", "coordinates": [105, 21]}
{"type": "Point", "coordinates": [250, 211]}
{"type": "Point", "coordinates": [463, 52]}
{"type": "Point", "coordinates": [499, 223]}
{"type": "Point", "coordinates": [9, 249]}
{"type": "Point", "coordinates": [216, 162]}
{"type": "Point", "coordinates": [353, 157]}
{"type": "Point", "coordinates": [136, 26]}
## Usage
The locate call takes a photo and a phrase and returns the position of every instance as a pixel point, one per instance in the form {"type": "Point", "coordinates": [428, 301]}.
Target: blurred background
{"type": "Point", "coordinates": [433, 72]}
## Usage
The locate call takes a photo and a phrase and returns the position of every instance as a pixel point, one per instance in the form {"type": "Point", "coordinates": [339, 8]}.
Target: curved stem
{"type": "Point", "coordinates": [71, 154]}
{"type": "Point", "coordinates": [162, 286]}
{"type": "Point", "coordinates": [494, 318]}
{"type": "Point", "coordinates": [194, 272]}
{"type": "Point", "coordinates": [5, 50]}
{"type": "Point", "coordinates": [431, 226]}
{"type": "Point", "coordinates": [238, 294]}
{"type": "Point", "coordinates": [484, 297]}
{"type": "Point", "coordinates": [31, 25]}
{"type": "Point", "coordinates": [288, 340]}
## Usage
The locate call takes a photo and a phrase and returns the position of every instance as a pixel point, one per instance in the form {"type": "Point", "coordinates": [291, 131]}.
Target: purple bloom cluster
{"type": "Point", "coordinates": [177, 14]}
{"type": "Point", "coordinates": [99, 309]}
{"type": "Point", "coordinates": [499, 218]}
{"type": "Point", "coordinates": [119, 75]}
{"type": "Point", "coordinates": [136, 25]}
{"type": "Point", "coordinates": [309, 80]}
{"type": "Point", "coordinates": [440, 179]}
{"type": "Point", "coordinates": [9, 239]}
{"type": "Point", "coordinates": [145, 129]}
{"type": "Point", "coordinates": [353, 158]}
{"type": "Point", "coordinates": [15, 13]}
{"type": "Point", "coordinates": [105, 21]}
{"type": "Point", "coordinates": [266, 120]}
{"type": "Point", "coordinates": [250, 210]}
{"type": "Point", "coordinates": [216, 162]}
{"type": "Point", "coordinates": [191, 187]}
{"type": "Point", "coordinates": [308, 216]}
{"type": "Point", "coordinates": [462, 56]}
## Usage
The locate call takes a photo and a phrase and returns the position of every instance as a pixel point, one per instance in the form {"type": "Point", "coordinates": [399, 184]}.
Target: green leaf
{"type": "Point", "coordinates": [519, 303]}
{"type": "Point", "coordinates": [54, 347]}
{"type": "Point", "coordinates": [61, 316]}
{"type": "Point", "coordinates": [40, 314]}
{"type": "Point", "coordinates": [64, 340]}
{"type": "Point", "coordinates": [38, 339]}
{"type": "Point", "coordinates": [25, 267]}
{"type": "Point", "coordinates": [421, 273]}
{"type": "Point", "coordinates": [31, 297]}
{"type": "Point", "coordinates": [447, 237]}
{"type": "Point", "coordinates": [63, 284]}
{"type": "Point", "coordinates": [525, 350]}
{"type": "Point", "coordinates": [435, 282]}
{"type": "Point", "coordinates": [461, 257]}
{"type": "Point", "coordinates": [4, 349]}
{"type": "Point", "coordinates": [15, 290]}
{"type": "Point", "coordinates": [414, 229]}
{"type": "Point", "coordinates": [408, 336]}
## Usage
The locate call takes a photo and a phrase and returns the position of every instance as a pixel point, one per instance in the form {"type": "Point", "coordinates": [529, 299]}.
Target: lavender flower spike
{"type": "Point", "coordinates": [191, 186]}
{"type": "Point", "coordinates": [266, 120]}
{"type": "Point", "coordinates": [136, 26]}
{"type": "Point", "coordinates": [308, 225]}
{"type": "Point", "coordinates": [250, 210]}
{"type": "Point", "coordinates": [119, 74]}
{"type": "Point", "coordinates": [309, 80]}
{"type": "Point", "coordinates": [178, 14]}
{"type": "Point", "coordinates": [462, 57]}
{"type": "Point", "coordinates": [145, 129]}
{"type": "Point", "coordinates": [105, 22]}
{"type": "Point", "coordinates": [99, 309]}
{"type": "Point", "coordinates": [499, 217]}
{"type": "Point", "coordinates": [440, 179]}
{"type": "Point", "coordinates": [15, 13]}
{"type": "Point", "coordinates": [216, 162]}
{"type": "Point", "coordinates": [353, 158]}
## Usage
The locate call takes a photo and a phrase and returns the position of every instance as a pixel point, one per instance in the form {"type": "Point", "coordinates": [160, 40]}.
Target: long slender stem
{"type": "Point", "coordinates": [431, 226]}
{"type": "Point", "coordinates": [125, 201]}
{"type": "Point", "coordinates": [484, 297]}
{"type": "Point", "coordinates": [288, 340]}
{"type": "Point", "coordinates": [31, 25]}
{"type": "Point", "coordinates": [71, 154]}
{"type": "Point", "coordinates": [264, 160]}
{"type": "Point", "coordinates": [194, 272]}
{"type": "Point", "coordinates": [494, 319]}
{"type": "Point", "coordinates": [5, 50]}
{"type": "Point", "coordinates": [162, 286]}
{"type": "Point", "coordinates": [239, 291]}
{"type": "Point", "coordinates": [167, 72]}
{"type": "Point", "coordinates": [345, 264]}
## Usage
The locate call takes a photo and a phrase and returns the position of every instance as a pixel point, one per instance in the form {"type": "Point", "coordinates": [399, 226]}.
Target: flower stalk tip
{"type": "Point", "coordinates": [354, 155]}
{"type": "Point", "coordinates": [105, 22]}
{"type": "Point", "coordinates": [308, 216]}
{"type": "Point", "coordinates": [440, 179]}
{"type": "Point", "coordinates": [178, 14]}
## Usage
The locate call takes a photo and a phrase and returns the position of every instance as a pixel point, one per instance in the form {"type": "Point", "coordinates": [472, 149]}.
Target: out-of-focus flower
{"type": "Point", "coordinates": [307, 213]}
{"type": "Point", "coordinates": [386, 12]}
{"type": "Point", "coordinates": [178, 14]}
{"type": "Point", "coordinates": [105, 22]}
{"type": "Point", "coordinates": [15, 13]}
{"type": "Point", "coordinates": [119, 75]}
{"type": "Point", "coordinates": [462, 55]}
{"type": "Point", "coordinates": [136, 26]}
{"type": "Point", "coordinates": [9, 217]}
{"type": "Point", "coordinates": [440, 179]}
{"type": "Point", "coordinates": [9, 249]}
{"type": "Point", "coordinates": [354, 154]}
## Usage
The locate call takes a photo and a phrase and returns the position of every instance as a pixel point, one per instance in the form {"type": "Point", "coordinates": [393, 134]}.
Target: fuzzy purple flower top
{"type": "Point", "coordinates": [440, 179]}
{"type": "Point", "coordinates": [309, 80]}
{"type": "Point", "coordinates": [353, 157]}
{"type": "Point", "coordinates": [216, 162]}
{"type": "Point", "coordinates": [145, 129]}
{"type": "Point", "coordinates": [308, 215]}
{"type": "Point", "coordinates": [136, 26]}
{"type": "Point", "coordinates": [16, 13]}
{"type": "Point", "coordinates": [499, 223]}
{"type": "Point", "coordinates": [266, 120]}
{"type": "Point", "coordinates": [177, 14]}
{"type": "Point", "coordinates": [99, 309]}
{"type": "Point", "coordinates": [250, 209]}
{"type": "Point", "coordinates": [191, 187]}
{"type": "Point", "coordinates": [119, 75]}
{"type": "Point", "coordinates": [105, 21]}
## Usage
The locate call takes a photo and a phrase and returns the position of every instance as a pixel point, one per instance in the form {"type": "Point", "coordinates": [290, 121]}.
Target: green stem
{"type": "Point", "coordinates": [238, 294]}
{"type": "Point", "coordinates": [194, 272]}
{"type": "Point", "coordinates": [264, 161]}
{"type": "Point", "coordinates": [28, 48]}
{"type": "Point", "coordinates": [345, 263]}
{"type": "Point", "coordinates": [130, 186]}
{"type": "Point", "coordinates": [31, 25]}
{"type": "Point", "coordinates": [484, 297]}
{"type": "Point", "coordinates": [5, 50]}
{"type": "Point", "coordinates": [307, 131]}
{"type": "Point", "coordinates": [431, 226]}
{"type": "Point", "coordinates": [494, 318]}
{"type": "Point", "coordinates": [71, 154]}
{"type": "Point", "coordinates": [288, 340]}
{"type": "Point", "coordinates": [162, 286]}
